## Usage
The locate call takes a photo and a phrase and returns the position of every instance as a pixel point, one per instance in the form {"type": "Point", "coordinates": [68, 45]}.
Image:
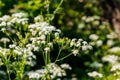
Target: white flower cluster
{"type": "Point", "coordinates": [90, 18]}
{"type": "Point", "coordinates": [4, 40]}
{"type": "Point", "coordinates": [42, 28]}
{"type": "Point", "coordinates": [95, 40]}
{"type": "Point", "coordinates": [15, 18]}
{"type": "Point", "coordinates": [79, 44]}
{"type": "Point", "coordinates": [9, 23]}
{"type": "Point", "coordinates": [95, 74]}
{"type": "Point", "coordinates": [96, 65]}
{"type": "Point", "coordinates": [17, 50]}
{"type": "Point", "coordinates": [65, 66]}
{"type": "Point", "coordinates": [52, 69]}
{"type": "Point", "coordinates": [4, 51]}
{"type": "Point", "coordinates": [114, 50]}
{"type": "Point", "coordinates": [93, 37]}
{"type": "Point", "coordinates": [39, 35]}
{"type": "Point", "coordinates": [112, 35]}
{"type": "Point", "coordinates": [110, 43]}
{"type": "Point", "coordinates": [115, 67]}
{"type": "Point", "coordinates": [113, 59]}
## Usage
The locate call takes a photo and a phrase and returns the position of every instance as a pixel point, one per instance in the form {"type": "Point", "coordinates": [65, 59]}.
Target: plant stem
{"type": "Point", "coordinates": [58, 7]}
{"type": "Point", "coordinates": [64, 57]}
{"type": "Point", "coordinates": [58, 54]}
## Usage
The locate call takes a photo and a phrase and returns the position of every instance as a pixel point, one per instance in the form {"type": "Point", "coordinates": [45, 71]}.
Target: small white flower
{"type": "Point", "coordinates": [65, 66]}
{"type": "Point", "coordinates": [114, 50]}
{"type": "Point", "coordinates": [4, 51]}
{"type": "Point", "coordinates": [81, 26]}
{"type": "Point", "coordinates": [110, 58]}
{"type": "Point", "coordinates": [3, 29]}
{"type": "Point", "coordinates": [84, 43]}
{"type": "Point", "coordinates": [47, 49]}
{"type": "Point", "coordinates": [75, 52]}
{"type": "Point", "coordinates": [84, 47]}
{"type": "Point", "coordinates": [33, 75]}
{"type": "Point", "coordinates": [96, 65]}
{"type": "Point", "coordinates": [112, 35]}
{"type": "Point", "coordinates": [99, 42]}
{"type": "Point", "coordinates": [95, 74]}
{"type": "Point", "coordinates": [56, 34]}
{"type": "Point", "coordinates": [4, 40]}
{"type": "Point", "coordinates": [110, 42]}
{"type": "Point", "coordinates": [3, 23]}
{"type": "Point", "coordinates": [12, 46]}
{"type": "Point", "coordinates": [5, 18]}
{"type": "Point", "coordinates": [18, 15]}
{"type": "Point", "coordinates": [93, 37]}
{"type": "Point", "coordinates": [115, 67]}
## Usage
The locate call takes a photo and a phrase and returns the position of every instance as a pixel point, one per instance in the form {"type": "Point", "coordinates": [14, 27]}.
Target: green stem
{"type": "Point", "coordinates": [58, 7]}
{"type": "Point", "coordinates": [42, 53]}
{"type": "Point", "coordinates": [7, 67]}
{"type": "Point", "coordinates": [46, 58]}
{"type": "Point", "coordinates": [48, 7]}
{"type": "Point", "coordinates": [64, 57]}
{"type": "Point", "coordinates": [58, 54]}
{"type": "Point", "coordinates": [47, 54]}
{"type": "Point", "coordinates": [8, 72]}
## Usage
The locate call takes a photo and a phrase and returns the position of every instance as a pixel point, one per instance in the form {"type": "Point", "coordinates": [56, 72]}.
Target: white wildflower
{"type": "Point", "coordinates": [4, 40]}
{"type": "Point", "coordinates": [56, 34]}
{"type": "Point", "coordinates": [81, 26]}
{"type": "Point", "coordinates": [112, 35]}
{"type": "Point", "coordinates": [96, 65]}
{"type": "Point", "coordinates": [115, 67]}
{"type": "Point", "coordinates": [47, 49]}
{"type": "Point", "coordinates": [95, 74]}
{"type": "Point", "coordinates": [93, 37]}
{"type": "Point", "coordinates": [3, 29]}
{"type": "Point", "coordinates": [58, 30]}
{"type": "Point", "coordinates": [12, 46]}
{"type": "Point", "coordinates": [99, 42]}
{"type": "Point", "coordinates": [75, 52]}
{"type": "Point", "coordinates": [110, 42]}
{"type": "Point", "coordinates": [33, 75]}
{"type": "Point", "coordinates": [5, 18]}
{"type": "Point", "coordinates": [84, 47]}
{"type": "Point", "coordinates": [110, 58]}
{"type": "Point", "coordinates": [18, 15]}
{"type": "Point", "coordinates": [65, 66]}
{"type": "Point", "coordinates": [84, 43]}
{"type": "Point", "coordinates": [4, 51]}
{"type": "Point", "coordinates": [3, 23]}
{"type": "Point", "coordinates": [114, 50]}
